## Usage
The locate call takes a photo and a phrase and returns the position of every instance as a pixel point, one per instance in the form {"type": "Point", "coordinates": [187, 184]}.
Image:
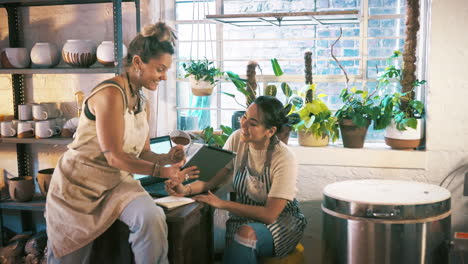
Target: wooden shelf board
{"type": "Point", "coordinates": [37, 204]}
{"type": "Point", "coordinates": [60, 70]}
{"type": "Point", "coordinates": [52, 2]}
{"type": "Point", "coordinates": [50, 141]}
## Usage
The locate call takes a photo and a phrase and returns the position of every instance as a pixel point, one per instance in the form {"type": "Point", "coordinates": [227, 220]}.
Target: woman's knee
{"type": "Point", "coordinates": [143, 213]}
{"type": "Point", "coordinates": [246, 236]}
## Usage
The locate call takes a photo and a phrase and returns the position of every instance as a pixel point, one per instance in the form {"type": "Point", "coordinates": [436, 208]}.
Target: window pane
{"type": "Point", "coordinates": [189, 32]}
{"type": "Point", "coordinates": [386, 28]}
{"type": "Point", "coordinates": [386, 7]}
{"type": "Point", "coordinates": [188, 10]}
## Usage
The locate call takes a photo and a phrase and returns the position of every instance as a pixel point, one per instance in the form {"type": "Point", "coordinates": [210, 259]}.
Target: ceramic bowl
{"type": "Point", "coordinates": [21, 189]}
{"type": "Point", "coordinates": [15, 58]}
{"type": "Point", "coordinates": [79, 53]}
{"type": "Point", "coordinates": [45, 55]}
{"type": "Point", "coordinates": [105, 53]}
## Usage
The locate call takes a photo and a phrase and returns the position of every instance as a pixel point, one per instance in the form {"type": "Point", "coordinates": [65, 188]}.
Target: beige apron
{"type": "Point", "coordinates": [86, 195]}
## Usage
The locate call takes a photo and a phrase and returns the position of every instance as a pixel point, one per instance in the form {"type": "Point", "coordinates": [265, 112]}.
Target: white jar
{"type": "Point", "coordinates": [44, 55]}
{"type": "Point", "coordinates": [79, 53]}
{"type": "Point", "coordinates": [105, 53]}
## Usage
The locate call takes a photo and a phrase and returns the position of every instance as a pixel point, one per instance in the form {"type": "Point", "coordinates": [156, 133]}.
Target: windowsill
{"type": "Point", "coordinates": [374, 155]}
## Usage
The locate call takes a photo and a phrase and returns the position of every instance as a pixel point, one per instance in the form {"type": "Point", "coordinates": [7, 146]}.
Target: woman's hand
{"type": "Point", "coordinates": [176, 154]}
{"type": "Point", "coordinates": [175, 189]}
{"type": "Point", "coordinates": [210, 199]}
{"type": "Point", "coordinates": [174, 173]}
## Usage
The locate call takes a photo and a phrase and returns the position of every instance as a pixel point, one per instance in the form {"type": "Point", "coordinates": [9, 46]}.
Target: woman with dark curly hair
{"type": "Point", "coordinates": [265, 219]}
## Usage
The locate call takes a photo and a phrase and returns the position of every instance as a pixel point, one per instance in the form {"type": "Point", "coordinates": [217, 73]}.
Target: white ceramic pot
{"type": "Point", "coordinates": [201, 88]}
{"type": "Point", "coordinates": [404, 139]}
{"type": "Point", "coordinates": [105, 53]}
{"type": "Point", "coordinates": [79, 53]}
{"type": "Point", "coordinates": [44, 55]}
{"type": "Point", "coordinates": [18, 58]}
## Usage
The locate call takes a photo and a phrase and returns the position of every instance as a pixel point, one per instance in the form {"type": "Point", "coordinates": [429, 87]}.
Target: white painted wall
{"type": "Point", "coordinates": [447, 126]}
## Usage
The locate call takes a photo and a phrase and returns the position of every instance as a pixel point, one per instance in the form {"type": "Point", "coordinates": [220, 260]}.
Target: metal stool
{"type": "Point", "coordinates": [295, 257]}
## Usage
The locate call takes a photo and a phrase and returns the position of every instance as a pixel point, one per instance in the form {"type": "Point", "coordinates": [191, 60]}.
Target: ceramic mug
{"type": "Point", "coordinates": [52, 110]}
{"type": "Point", "coordinates": [182, 138]}
{"type": "Point", "coordinates": [25, 129]}
{"type": "Point", "coordinates": [43, 179]}
{"type": "Point", "coordinates": [43, 130]}
{"type": "Point", "coordinates": [7, 129]}
{"type": "Point", "coordinates": [39, 112]}
{"type": "Point", "coordinates": [54, 125]}
{"type": "Point", "coordinates": [21, 189]}
{"type": "Point", "coordinates": [25, 112]}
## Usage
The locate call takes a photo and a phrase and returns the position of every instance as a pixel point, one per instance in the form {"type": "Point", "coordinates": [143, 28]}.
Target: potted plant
{"type": "Point", "coordinates": [248, 87]}
{"type": "Point", "coordinates": [216, 138]}
{"type": "Point", "coordinates": [401, 114]}
{"type": "Point", "coordinates": [317, 125]}
{"type": "Point", "coordinates": [358, 111]}
{"type": "Point", "coordinates": [203, 76]}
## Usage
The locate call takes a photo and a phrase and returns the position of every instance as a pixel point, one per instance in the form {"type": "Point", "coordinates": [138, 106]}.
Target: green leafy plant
{"type": "Point", "coordinates": [316, 117]}
{"type": "Point", "coordinates": [359, 106]}
{"type": "Point", "coordinates": [399, 106]}
{"type": "Point", "coordinates": [213, 139]}
{"type": "Point", "coordinates": [202, 70]}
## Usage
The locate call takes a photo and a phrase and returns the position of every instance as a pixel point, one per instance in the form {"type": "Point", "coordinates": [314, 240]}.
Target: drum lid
{"type": "Point", "coordinates": [386, 199]}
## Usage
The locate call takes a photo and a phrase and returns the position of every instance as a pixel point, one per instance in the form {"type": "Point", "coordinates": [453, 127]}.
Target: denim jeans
{"type": "Point", "coordinates": [248, 251]}
{"type": "Point", "coordinates": [148, 235]}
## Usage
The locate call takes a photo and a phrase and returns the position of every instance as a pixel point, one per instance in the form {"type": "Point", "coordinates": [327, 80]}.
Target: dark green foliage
{"type": "Point", "coordinates": [202, 70]}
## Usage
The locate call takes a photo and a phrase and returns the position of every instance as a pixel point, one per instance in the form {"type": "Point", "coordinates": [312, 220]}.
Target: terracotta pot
{"type": "Point", "coordinates": [15, 58]}
{"type": "Point", "coordinates": [406, 139]}
{"type": "Point", "coordinates": [43, 179]}
{"type": "Point", "coordinates": [79, 53]}
{"type": "Point", "coordinates": [201, 88]}
{"type": "Point", "coordinates": [21, 188]}
{"type": "Point", "coordinates": [105, 53]}
{"type": "Point", "coordinates": [310, 140]}
{"type": "Point", "coordinates": [45, 55]}
{"type": "Point", "coordinates": [352, 135]}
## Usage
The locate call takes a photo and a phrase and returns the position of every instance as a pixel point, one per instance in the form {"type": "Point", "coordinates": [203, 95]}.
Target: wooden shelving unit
{"type": "Point", "coordinates": [50, 141]}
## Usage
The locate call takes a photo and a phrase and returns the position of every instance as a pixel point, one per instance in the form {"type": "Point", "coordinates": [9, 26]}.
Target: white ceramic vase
{"type": "Point", "coordinates": [79, 53]}
{"type": "Point", "coordinates": [310, 140]}
{"type": "Point", "coordinates": [105, 53]}
{"type": "Point", "coordinates": [15, 58]}
{"type": "Point", "coordinates": [44, 55]}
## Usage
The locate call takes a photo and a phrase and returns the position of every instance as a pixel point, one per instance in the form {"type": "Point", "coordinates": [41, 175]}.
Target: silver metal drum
{"type": "Point", "coordinates": [385, 222]}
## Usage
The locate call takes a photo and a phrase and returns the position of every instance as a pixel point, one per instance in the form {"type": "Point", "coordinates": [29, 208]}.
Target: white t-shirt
{"type": "Point", "coordinates": [283, 170]}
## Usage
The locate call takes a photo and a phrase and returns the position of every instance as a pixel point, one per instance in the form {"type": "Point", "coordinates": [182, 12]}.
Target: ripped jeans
{"type": "Point", "coordinates": [248, 251]}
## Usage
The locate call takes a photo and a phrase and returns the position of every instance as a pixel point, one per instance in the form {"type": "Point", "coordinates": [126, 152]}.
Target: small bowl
{"type": "Point", "coordinates": [21, 189]}
{"type": "Point", "coordinates": [15, 58]}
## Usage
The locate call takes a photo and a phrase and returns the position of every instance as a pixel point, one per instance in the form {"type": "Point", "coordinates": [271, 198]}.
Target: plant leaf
{"type": "Point", "coordinates": [276, 67]}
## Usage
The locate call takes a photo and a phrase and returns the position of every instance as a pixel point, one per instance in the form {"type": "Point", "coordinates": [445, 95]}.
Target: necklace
{"type": "Point", "coordinates": [134, 92]}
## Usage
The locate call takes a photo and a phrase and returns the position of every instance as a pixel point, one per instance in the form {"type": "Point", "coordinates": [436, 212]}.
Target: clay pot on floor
{"type": "Point", "coordinates": [43, 179]}
{"type": "Point", "coordinates": [21, 188]}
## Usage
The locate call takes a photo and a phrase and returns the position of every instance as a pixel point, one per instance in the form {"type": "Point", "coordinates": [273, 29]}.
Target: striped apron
{"type": "Point", "coordinates": [253, 189]}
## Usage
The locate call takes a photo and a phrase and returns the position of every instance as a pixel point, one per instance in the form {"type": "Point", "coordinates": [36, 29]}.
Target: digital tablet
{"type": "Point", "coordinates": [209, 161]}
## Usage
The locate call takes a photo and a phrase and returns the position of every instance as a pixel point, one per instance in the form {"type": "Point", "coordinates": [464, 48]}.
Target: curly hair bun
{"type": "Point", "coordinates": [160, 31]}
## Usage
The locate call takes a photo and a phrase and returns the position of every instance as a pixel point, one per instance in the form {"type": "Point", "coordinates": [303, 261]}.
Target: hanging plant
{"type": "Point", "coordinates": [203, 76]}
